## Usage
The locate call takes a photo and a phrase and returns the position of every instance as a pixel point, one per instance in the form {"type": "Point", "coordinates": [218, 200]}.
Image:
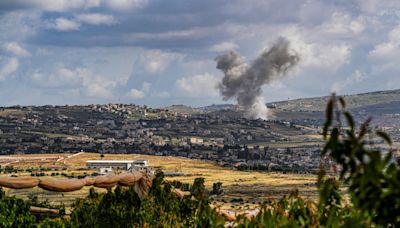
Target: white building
{"type": "Point", "coordinates": [105, 171]}
{"type": "Point", "coordinates": [141, 166]}
{"type": "Point", "coordinates": [195, 140]}
{"type": "Point", "coordinates": [116, 164]}
{"type": "Point", "coordinates": [141, 163]}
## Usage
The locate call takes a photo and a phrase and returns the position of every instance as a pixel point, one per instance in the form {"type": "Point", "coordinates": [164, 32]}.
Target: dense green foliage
{"type": "Point", "coordinates": [14, 212]}
{"type": "Point", "coordinates": [161, 208]}
{"type": "Point", "coordinates": [371, 175]}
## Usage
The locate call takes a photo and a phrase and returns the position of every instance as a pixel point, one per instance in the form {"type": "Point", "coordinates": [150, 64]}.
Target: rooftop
{"type": "Point", "coordinates": [110, 161]}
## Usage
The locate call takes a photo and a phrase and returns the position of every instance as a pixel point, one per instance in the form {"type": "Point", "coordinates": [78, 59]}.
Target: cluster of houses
{"type": "Point", "coordinates": [221, 136]}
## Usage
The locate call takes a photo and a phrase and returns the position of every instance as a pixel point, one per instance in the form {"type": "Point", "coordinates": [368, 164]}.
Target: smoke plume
{"type": "Point", "coordinates": [244, 81]}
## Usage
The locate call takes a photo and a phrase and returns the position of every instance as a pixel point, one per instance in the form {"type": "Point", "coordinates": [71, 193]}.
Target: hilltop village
{"type": "Point", "coordinates": [218, 134]}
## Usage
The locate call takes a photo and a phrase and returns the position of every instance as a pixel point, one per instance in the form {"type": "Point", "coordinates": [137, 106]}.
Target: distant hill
{"type": "Point", "coordinates": [218, 107]}
{"type": "Point", "coordinates": [382, 106]}
{"type": "Point", "coordinates": [183, 109]}
{"type": "Point", "coordinates": [353, 101]}
{"type": "Point", "coordinates": [313, 104]}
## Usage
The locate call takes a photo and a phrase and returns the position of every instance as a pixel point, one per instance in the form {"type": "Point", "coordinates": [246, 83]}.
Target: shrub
{"type": "Point", "coordinates": [15, 212]}
{"type": "Point", "coordinates": [162, 208]}
{"type": "Point", "coordinates": [217, 189]}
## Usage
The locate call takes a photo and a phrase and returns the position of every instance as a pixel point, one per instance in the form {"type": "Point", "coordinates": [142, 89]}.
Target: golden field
{"type": "Point", "coordinates": [252, 187]}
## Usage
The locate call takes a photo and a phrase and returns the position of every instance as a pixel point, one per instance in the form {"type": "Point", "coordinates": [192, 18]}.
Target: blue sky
{"type": "Point", "coordinates": [161, 52]}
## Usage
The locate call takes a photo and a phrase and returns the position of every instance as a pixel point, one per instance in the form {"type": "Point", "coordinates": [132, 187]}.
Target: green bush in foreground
{"type": "Point", "coordinates": [162, 207]}
{"type": "Point", "coordinates": [371, 175]}
{"type": "Point", "coordinates": [14, 212]}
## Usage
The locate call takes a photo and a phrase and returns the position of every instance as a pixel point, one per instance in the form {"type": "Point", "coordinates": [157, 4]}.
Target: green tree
{"type": "Point", "coordinates": [217, 188]}
{"type": "Point", "coordinates": [15, 212]}
{"type": "Point", "coordinates": [373, 175]}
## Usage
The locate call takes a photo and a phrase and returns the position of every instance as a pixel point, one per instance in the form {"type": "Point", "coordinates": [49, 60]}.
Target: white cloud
{"type": "Point", "coordinates": [379, 7]}
{"type": "Point", "coordinates": [58, 5]}
{"type": "Point", "coordinates": [201, 85]}
{"type": "Point", "coordinates": [317, 49]}
{"type": "Point", "coordinates": [99, 90]}
{"type": "Point", "coordinates": [64, 24]}
{"type": "Point", "coordinates": [126, 4]}
{"type": "Point", "coordinates": [331, 39]}
{"type": "Point", "coordinates": [318, 54]}
{"type": "Point", "coordinates": [139, 94]}
{"type": "Point", "coordinates": [89, 83]}
{"type": "Point", "coordinates": [198, 65]}
{"type": "Point", "coordinates": [146, 87]}
{"type": "Point", "coordinates": [329, 56]}
{"type": "Point", "coordinates": [163, 94]}
{"type": "Point", "coordinates": [343, 24]}
{"type": "Point", "coordinates": [8, 68]}
{"type": "Point", "coordinates": [385, 58]}
{"type": "Point", "coordinates": [74, 5]}
{"type": "Point", "coordinates": [66, 5]}
{"type": "Point", "coordinates": [277, 85]}
{"type": "Point", "coordinates": [96, 19]}
{"type": "Point", "coordinates": [224, 46]}
{"type": "Point", "coordinates": [90, 74]}
{"type": "Point", "coordinates": [156, 61]}
{"type": "Point", "coordinates": [192, 33]}
{"type": "Point", "coordinates": [19, 25]}
{"type": "Point", "coordinates": [136, 94]}
{"type": "Point", "coordinates": [64, 77]}
{"type": "Point", "coordinates": [16, 49]}
{"type": "Point", "coordinates": [356, 77]}
{"type": "Point", "coordinates": [388, 49]}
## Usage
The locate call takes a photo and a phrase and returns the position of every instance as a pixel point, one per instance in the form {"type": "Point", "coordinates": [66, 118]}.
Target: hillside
{"type": "Point", "coordinates": [220, 133]}
{"type": "Point", "coordinates": [353, 101]}
{"type": "Point", "coordinates": [382, 106]}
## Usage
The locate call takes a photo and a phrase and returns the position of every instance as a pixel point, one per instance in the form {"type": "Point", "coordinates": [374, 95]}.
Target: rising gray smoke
{"type": "Point", "coordinates": [244, 82]}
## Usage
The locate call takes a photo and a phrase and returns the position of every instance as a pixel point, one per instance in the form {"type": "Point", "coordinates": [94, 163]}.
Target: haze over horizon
{"type": "Point", "coordinates": [162, 52]}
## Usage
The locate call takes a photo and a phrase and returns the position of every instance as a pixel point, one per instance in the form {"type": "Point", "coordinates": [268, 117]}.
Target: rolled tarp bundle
{"type": "Point", "coordinates": [129, 179]}
{"type": "Point", "coordinates": [89, 181]}
{"type": "Point", "coordinates": [19, 182]}
{"type": "Point", "coordinates": [43, 210]}
{"type": "Point", "coordinates": [139, 181]}
{"type": "Point", "coordinates": [106, 181]}
{"type": "Point", "coordinates": [61, 185]}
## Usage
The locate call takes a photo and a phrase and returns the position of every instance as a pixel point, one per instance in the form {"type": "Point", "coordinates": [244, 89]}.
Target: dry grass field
{"type": "Point", "coordinates": [8, 112]}
{"type": "Point", "coordinates": [248, 187]}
